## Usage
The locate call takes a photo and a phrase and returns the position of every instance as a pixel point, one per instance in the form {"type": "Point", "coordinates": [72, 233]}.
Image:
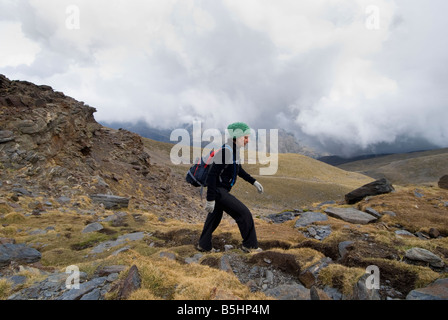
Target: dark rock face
{"type": "Point", "coordinates": [443, 182]}
{"type": "Point", "coordinates": [371, 189]}
{"type": "Point", "coordinates": [130, 284]}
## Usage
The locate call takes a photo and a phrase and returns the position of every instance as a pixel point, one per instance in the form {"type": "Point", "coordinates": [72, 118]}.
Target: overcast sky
{"type": "Point", "coordinates": [343, 75]}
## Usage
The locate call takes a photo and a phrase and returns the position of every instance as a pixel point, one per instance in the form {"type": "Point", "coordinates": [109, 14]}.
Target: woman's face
{"type": "Point", "coordinates": [242, 141]}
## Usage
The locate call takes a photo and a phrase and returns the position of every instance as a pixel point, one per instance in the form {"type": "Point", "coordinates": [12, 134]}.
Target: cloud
{"type": "Point", "coordinates": [23, 51]}
{"type": "Point", "coordinates": [316, 68]}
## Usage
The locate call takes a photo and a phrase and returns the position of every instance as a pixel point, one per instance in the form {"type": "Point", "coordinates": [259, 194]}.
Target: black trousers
{"type": "Point", "coordinates": [225, 202]}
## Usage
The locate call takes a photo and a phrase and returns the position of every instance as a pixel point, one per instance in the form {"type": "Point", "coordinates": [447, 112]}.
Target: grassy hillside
{"type": "Point", "coordinates": [404, 169]}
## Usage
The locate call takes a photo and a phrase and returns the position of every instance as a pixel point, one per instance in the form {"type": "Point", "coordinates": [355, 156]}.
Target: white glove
{"type": "Point", "coordinates": [258, 186]}
{"type": "Point", "coordinates": [210, 206]}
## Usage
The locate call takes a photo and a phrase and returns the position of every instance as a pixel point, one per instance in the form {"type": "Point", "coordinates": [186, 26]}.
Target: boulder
{"type": "Point", "coordinates": [110, 201]}
{"type": "Point", "coordinates": [19, 253]}
{"type": "Point", "coordinates": [423, 255]}
{"type": "Point", "coordinates": [377, 187]}
{"type": "Point", "coordinates": [93, 227]}
{"type": "Point", "coordinates": [130, 284]}
{"type": "Point", "coordinates": [437, 290]}
{"type": "Point", "coordinates": [351, 215]}
{"type": "Point", "coordinates": [443, 182]}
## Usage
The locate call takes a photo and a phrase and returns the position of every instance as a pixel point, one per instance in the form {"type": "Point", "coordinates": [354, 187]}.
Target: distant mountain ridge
{"type": "Point", "coordinates": [420, 167]}
{"type": "Point", "coordinates": [287, 142]}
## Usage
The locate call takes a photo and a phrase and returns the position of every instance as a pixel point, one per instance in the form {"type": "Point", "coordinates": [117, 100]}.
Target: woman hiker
{"type": "Point", "coordinates": [222, 176]}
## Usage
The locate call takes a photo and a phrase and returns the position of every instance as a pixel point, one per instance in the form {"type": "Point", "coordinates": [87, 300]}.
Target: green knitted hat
{"type": "Point", "coordinates": [238, 129]}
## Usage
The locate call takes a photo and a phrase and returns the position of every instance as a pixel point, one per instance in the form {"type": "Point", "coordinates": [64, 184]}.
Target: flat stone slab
{"type": "Point", "coordinates": [351, 215]}
{"type": "Point", "coordinates": [120, 240]}
{"type": "Point", "coordinates": [310, 217]}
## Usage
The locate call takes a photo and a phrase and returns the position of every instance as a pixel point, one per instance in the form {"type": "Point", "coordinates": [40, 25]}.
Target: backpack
{"type": "Point", "coordinates": [198, 172]}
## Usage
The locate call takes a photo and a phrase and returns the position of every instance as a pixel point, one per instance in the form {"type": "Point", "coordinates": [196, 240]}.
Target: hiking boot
{"type": "Point", "coordinates": [199, 248]}
{"type": "Point", "coordinates": [250, 250]}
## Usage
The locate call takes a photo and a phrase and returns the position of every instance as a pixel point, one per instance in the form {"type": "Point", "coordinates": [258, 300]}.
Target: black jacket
{"type": "Point", "coordinates": [224, 172]}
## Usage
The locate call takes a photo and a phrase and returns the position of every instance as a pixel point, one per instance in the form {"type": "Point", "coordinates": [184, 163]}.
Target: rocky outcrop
{"type": "Point", "coordinates": [377, 187]}
{"type": "Point", "coordinates": [51, 142]}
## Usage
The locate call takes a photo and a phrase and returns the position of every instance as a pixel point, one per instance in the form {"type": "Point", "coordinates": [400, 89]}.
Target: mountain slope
{"type": "Point", "coordinates": [425, 167]}
{"type": "Point", "coordinates": [54, 156]}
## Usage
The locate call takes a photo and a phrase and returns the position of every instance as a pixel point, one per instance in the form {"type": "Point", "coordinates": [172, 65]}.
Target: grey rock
{"type": "Point", "coordinates": [22, 191]}
{"type": "Point", "coordinates": [310, 217]}
{"type": "Point", "coordinates": [282, 217]}
{"type": "Point", "coordinates": [418, 194]}
{"type": "Point", "coordinates": [420, 254]}
{"type": "Point", "coordinates": [63, 200]}
{"type": "Point", "coordinates": [224, 264]}
{"type": "Point", "coordinates": [18, 253]}
{"type": "Point", "coordinates": [270, 276]}
{"type": "Point", "coordinates": [342, 246]}
{"type": "Point", "coordinates": [107, 270]}
{"type": "Point", "coordinates": [317, 232]}
{"type": "Point", "coordinates": [194, 259]}
{"type": "Point", "coordinates": [95, 294]}
{"type": "Point", "coordinates": [125, 248]}
{"type": "Point", "coordinates": [361, 292]}
{"type": "Point", "coordinates": [404, 233]}
{"type": "Point", "coordinates": [168, 255]}
{"type": "Point", "coordinates": [110, 201]}
{"type": "Point", "coordinates": [373, 212]}
{"type": "Point", "coordinates": [120, 240]}
{"type": "Point", "coordinates": [16, 280]}
{"type": "Point", "coordinates": [116, 216]}
{"type": "Point", "coordinates": [351, 215]}
{"type": "Point", "coordinates": [437, 290]}
{"type": "Point", "coordinates": [131, 237]}
{"type": "Point", "coordinates": [36, 232]}
{"type": "Point", "coordinates": [84, 288]}
{"type": "Point", "coordinates": [289, 292]}
{"type": "Point", "coordinates": [93, 227]}
{"type": "Point", "coordinates": [130, 284]}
